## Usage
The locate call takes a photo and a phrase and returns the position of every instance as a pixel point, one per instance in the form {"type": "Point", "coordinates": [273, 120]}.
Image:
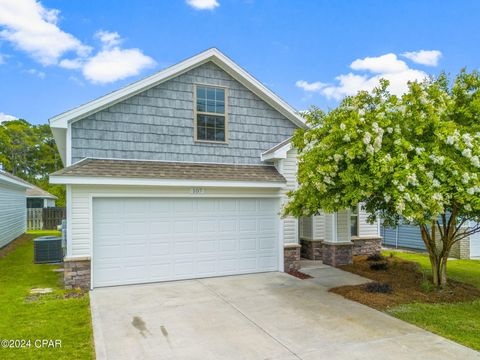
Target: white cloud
{"type": "Point", "coordinates": [203, 4]}
{"type": "Point", "coordinates": [424, 57]}
{"type": "Point", "coordinates": [33, 29]}
{"type": "Point", "coordinates": [114, 64]}
{"type": "Point", "coordinates": [37, 73]}
{"type": "Point", "coordinates": [367, 75]}
{"type": "Point", "coordinates": [310, 87]}
{"type": "Point", "coordinates": [109, 39]}
{"type": "Point", "coordinates": [71, 64]}
{"type": "Point", "coordinates": [388, 63]}
{"type": "Point", "coordinates": [5, 117]}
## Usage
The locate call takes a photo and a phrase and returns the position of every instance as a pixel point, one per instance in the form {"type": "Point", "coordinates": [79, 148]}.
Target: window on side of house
{"type": "Point", "coordinates": [210, 114]}
{"type": "Point", "coordinates": [354, 220]}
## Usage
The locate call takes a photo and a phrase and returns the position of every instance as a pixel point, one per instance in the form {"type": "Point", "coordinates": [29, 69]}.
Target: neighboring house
{"type": "Point", "coordinates": [181, 175]}
{"type": "Point", "coordinates": [13, 212]}
{"type": "Point", "coordinates": [407, 236]}
{"type": "Point", "coordinates": [39, 198]}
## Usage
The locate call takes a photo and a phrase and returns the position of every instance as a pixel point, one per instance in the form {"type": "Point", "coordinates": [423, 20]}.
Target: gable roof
{"type": "Point", "coordinates": [216, 56]}
{"type": "Point", "coordinates": [279, 151]}
{"type": "Point", "coordinates": [11, 179]}
{"type": "Point", "coordinates": [36, 192]}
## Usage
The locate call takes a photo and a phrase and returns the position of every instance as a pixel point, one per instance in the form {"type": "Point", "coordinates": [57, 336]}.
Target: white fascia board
{"type": "Point", "coordinates": [75, 180]}
{"type": "Point", "coordinates": [11, 181]}
{"type": "Point", "coordinates": [280, 153]}
{"type": "Point", "coordinates": [60, 136]}
{"type": "Point", "coordinates": [62, 120]}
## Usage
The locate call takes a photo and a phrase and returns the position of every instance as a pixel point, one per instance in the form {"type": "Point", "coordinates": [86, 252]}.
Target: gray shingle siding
{"type": "Point", "coordinates": [158, 124]}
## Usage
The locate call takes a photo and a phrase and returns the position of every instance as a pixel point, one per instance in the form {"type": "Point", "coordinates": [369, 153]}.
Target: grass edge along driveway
{"type": "Point", "coordinates": [60, 315]}
{"type": "Point", "coordinates": [459, 322]}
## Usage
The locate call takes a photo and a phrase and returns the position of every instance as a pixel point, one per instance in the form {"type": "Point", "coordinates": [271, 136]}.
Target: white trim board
{"type": "Point", "coordinates": [76, 180]}
{"type": "Point", "coordinates": [11, 181]}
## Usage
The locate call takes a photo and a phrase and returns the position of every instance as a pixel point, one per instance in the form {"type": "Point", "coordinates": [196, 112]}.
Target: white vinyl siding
{"type": "Point", "coordinates": [306, 227]}
{"type": "Point", "coordinates": [475, 246]}
{"type": "Point", "coordinates": [343, 226]}
{"type": "Point", "coordinates": [329, 229]}
{"type": "Point", "coordinates": [319, 227]}
{"type": "Point", "coordinates": [312, 227]}
{"type": "Point", "coordinates": [13, 213]}
{"type": "Point", "coordinates": [288, 168]}
{"type": "Point", "coordinates": [366, 229]}
{"type": "Point", "coordinates": [81, 228]}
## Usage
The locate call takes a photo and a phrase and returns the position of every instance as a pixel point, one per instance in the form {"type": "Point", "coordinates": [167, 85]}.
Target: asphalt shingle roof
{"type": "Point", "coordinates": [171, 170]}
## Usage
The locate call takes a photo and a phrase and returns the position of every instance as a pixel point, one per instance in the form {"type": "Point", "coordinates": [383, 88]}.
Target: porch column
{"type": "Point", "coordinates": [337, 247]}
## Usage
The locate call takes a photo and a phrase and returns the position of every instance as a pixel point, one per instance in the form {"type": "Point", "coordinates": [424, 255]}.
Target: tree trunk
{"type": "Point", "coordinates": [439, 270]}
{"type": "Point", "coordinates": [438, 257]}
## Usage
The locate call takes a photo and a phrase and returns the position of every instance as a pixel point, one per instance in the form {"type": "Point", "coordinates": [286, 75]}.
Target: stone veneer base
{"type": "Point", "coordinates": [366, 246]}
{"type": "Point", "coordinates": [76, 273]}
{"type": "Point", "coordinates": [291, 257]}
{"type": "Point", "coordinates": [337, 254]}
{"type": "Point", "coordinates": [311, 249]}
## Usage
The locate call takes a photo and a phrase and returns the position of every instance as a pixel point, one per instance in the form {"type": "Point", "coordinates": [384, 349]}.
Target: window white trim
{"type": "Point", "coordinates": [76, 180]}
{"type": "Point", "coordinates": [195, 113]}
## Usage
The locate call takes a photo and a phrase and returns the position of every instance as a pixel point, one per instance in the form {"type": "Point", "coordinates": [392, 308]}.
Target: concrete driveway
{"type": "Point", "coordinates": [260, 316]}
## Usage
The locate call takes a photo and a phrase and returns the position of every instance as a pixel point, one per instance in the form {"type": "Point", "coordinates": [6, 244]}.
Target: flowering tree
{"type": "Point", "coordinates": [414, 157]}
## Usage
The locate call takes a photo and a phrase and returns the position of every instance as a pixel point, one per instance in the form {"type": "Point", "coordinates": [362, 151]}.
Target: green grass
{"type": "Point", "coordinates": [44, 232]}
{"type": "Point", "coordinates": [467, 271]}
{"type": "Point", "coordinates": [49, 317]}
{"type": "Point", "coordinates": [458, 322]}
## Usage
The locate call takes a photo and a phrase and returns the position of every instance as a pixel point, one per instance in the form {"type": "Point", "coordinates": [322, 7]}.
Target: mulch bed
{"type": "Point", "coordinates": [14, 244]}
{"type": "Point", "coordinates": [405, 278]}
{"type": "Point", "coordinates": [299, 274]}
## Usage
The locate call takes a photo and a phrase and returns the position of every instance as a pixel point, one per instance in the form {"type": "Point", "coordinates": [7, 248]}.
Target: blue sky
{"type": "Point", "coordinates": [55, 55]}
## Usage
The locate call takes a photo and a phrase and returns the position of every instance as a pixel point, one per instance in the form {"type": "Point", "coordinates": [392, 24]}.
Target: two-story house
{"type": "Point", "coordinates": [183, 175]}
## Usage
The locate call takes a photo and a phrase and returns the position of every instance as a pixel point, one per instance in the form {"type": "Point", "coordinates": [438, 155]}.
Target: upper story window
{"type": "Point", "coordinates": [354, 221]}
{"type": "Point", "coordinates": [210, 113]}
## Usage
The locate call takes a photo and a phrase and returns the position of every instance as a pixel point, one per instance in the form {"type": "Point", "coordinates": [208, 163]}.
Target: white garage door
{"type": "Point", "coordinates": [140, 240]}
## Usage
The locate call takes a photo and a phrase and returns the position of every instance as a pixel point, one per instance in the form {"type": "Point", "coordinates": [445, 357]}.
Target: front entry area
{"type": "Point", "coordinates": [143, 240]}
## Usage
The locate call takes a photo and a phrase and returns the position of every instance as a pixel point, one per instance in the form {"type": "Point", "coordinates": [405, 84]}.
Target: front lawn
{"type": "Point", "coordinates": [467, 271]}
{"type": "Point", "coordinates": [453, 312]}
{"type": "Point", "coordinates": [60, 315]}
{"type": "Point", "coordinates": [459, 322]}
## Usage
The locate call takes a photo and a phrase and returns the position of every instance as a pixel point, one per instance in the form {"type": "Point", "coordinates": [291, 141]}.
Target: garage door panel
{"type": "Point", "coordinates": [247, 225]}
{"type": "Point", "coordinates": [207, 226]}
{"type": "Point", "coordinates": [160, 248]}
{"type": "Point", "coordinates": [207, 246]}
{"type": "Point", "coordinates": [184, 268]}
{"type": "Point", "coordinates": [247, 206]}
{"type": "Point", "coordinates": [207, 205]}
{"type": "Point", "coordinates": [184, 227]}
{"type": "Point", "coordinates": [136, 251]}
{"type": "Point", "coordinates": [109, 252]}
{"type": "Point", "coordinates": [159, 227]}
{"type": "Point", "coordinates": [228, 225]}
{"type": "Point", "coordinates": [160, 239]}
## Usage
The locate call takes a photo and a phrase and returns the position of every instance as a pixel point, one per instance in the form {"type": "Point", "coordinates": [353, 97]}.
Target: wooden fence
{"type": "Point", "coordinates": [34, 219]}
{"type": "Point", "coordinates": [46, 218]}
